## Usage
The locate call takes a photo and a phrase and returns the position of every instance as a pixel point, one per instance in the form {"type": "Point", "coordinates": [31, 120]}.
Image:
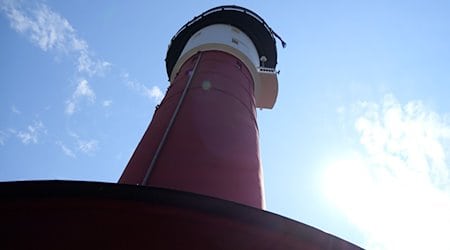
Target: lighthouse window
{"type": "Point", "coordinates": [234, 40]}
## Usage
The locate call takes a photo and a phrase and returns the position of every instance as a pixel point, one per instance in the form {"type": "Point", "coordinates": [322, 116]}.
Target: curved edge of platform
{"type": "Point", "coordinates": [33, 209]}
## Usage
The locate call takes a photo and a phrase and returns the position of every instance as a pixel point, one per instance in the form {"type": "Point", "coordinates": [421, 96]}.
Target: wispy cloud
{"type": "Point", "coordinates": [15, 110]}
{"type": "Point", "coordinates": [86, 146]}
{"type": "Point", "coordinates": [397, 188]}
{"type": "Point", "coordinates": [70, 107]}
{"type": "Point", "coordinates": [51, 32]}
{"type": "Point", "coordinates": [67, 151]}
{"type": "Point", "coordinates": [83, 91]}
{"type": "Point", "coordinates": [153, 93]}
{"type": "Point", "coordinates": [106, 103]}
{"type": "Point", "coordinates": [32, 133]}
{"type": "Point", "coordinates": [3, 136]}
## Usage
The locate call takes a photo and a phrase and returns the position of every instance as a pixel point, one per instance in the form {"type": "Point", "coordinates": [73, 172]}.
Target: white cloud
{"type": "Point", "coordinates": [15, 110]}
{"type": "Point", "coordinates": [51, 32]}
{"type": "Point", "coordinates": [45, 28]}
{"type": "Point", "coordinates": [153, 93]}
{"type": "Point", "coordinates": [397, 188]}
{"type": "Point", "coordinates": [32, 133]}
{"type": "Point", "coordinates": [67, 151]}
{"type": "Point", "coordinates": [70, 107]}
{"type": "Point", "coordinates": [3, 136]}
{"type": "Point", "coordinates": [89, 146]}
{"type": "Point", "coordinates": [107, 103]}
{"type": "Point", "coordinates": [83, 91]}
{"type": "Point", "coordinates": [87, 64]}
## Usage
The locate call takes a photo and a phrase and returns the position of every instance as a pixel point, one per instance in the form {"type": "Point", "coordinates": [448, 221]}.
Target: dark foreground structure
{"type": "Point", "coordinates": [195, 179]}
{"type": "Point", "coordinates": [93, 215]}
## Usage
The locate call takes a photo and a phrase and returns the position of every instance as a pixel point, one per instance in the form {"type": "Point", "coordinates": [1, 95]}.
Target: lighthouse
{"type": "Point", "coordinates": [203, 137]}
{"type": "Point", "coordinates": [195, 179]}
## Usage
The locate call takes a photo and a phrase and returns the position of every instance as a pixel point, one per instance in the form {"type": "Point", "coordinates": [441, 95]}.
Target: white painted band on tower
{"type": "Point", "coordinates": [226, 35]}
{"type": "Point", "coordinates": [230, 39]}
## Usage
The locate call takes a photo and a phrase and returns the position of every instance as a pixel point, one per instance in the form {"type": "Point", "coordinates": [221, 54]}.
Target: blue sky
{"type": "Point", "coordinates": [357, 144]}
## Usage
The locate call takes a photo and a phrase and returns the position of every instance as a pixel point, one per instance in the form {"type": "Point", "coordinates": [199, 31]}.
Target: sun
{"type": "Point", "coordinates": [394, 211]}
{"type": "Point", "coordinates": [347, 182]}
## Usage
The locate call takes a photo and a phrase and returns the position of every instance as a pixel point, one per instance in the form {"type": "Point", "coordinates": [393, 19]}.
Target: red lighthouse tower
{"type": "Point", "coordinates": [204, 136]}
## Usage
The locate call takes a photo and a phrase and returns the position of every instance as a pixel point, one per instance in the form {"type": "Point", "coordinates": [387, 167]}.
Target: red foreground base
{"type": "Point", "coordinates": [87, 215]}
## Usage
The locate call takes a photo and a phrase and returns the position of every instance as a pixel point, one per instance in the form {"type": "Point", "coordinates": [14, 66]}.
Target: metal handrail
{"type": "Point", "coordinates": [266, 70]}
{"type": "Point", "coordinates": [171, 122]}
{"type": "Point", "coordinates": [230, 7]}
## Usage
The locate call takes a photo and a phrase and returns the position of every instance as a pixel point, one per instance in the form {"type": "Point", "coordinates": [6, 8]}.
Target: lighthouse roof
{"type": "Point", "coordinates": [244, 19]}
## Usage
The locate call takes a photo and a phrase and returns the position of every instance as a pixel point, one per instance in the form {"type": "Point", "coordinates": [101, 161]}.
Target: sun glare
{"type": "Point", "coordinates": [393, 211]}
{"type": "Point", "coordinates": [348, 185]}
{"type": "Point", "coordinates": [396, 188]}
